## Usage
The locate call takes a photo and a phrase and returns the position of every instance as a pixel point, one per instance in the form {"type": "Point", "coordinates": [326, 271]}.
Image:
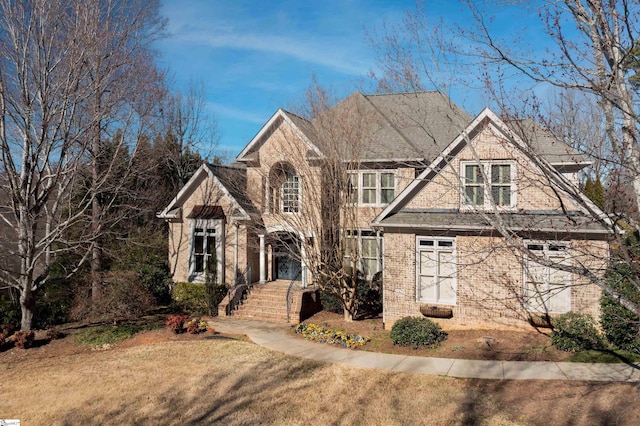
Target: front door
{"type": "Point", "coordinates": [288, 268]}
{"type": "Point", "coordinates": [286, 257]}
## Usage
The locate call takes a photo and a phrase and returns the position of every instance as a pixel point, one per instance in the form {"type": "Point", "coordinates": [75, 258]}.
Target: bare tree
{"type": "Point", "coordinates": [65, 83]}
{"type": "Point", "coordinates": [308, 194]}
{"type": "Point", "coordinates": [590, 56]}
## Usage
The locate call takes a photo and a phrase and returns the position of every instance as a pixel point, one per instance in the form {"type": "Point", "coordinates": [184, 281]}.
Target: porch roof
{"type": "Point", "coordinates": [206, 212]}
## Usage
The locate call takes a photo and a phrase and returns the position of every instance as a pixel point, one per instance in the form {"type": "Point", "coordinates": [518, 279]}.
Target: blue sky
{"type": "Point", "coordinates": [256, 56]}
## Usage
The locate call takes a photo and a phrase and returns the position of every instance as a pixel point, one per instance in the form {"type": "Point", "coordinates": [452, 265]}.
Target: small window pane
{"type": "Point", "coordinates": [426, 243]}
{"type": "Point", "coordinates": [386, 180]}
{"type": "Point", "coordinates": [501, 195]}
{"type": "Point", "coordinates": [368, 196]}
{"type": "Point", "coordinates": [369, 248]}
{"type": "Point", "coordinates": [501, 174]}
{"type": "Point", "coordinates": [472, 174]}
{"type": "Point", "coordinates": [198, 244]}
{"type": "Point", "coordinates": [475, 195]}
{"type": "Point", "coordinates": [199, 263]}
{"type": "Point", "coordinates": [211, 244]}
{"type": "Point", "coordinates": [368, 180]}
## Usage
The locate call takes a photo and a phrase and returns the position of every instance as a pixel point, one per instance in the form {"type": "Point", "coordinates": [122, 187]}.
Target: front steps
{"type": "Point", "coordinates": [268, 302]}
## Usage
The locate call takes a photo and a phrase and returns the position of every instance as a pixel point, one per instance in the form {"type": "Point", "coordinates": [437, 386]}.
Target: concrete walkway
{"type": "Point", "coordinates": [275, 337]}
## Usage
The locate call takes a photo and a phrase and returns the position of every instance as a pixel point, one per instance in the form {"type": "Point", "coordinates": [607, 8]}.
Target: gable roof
{"type": "Point", "coordinates": [401, 127]}
{"type": "Point", "coordinates": [230, 179]}
{"type": "Point", "coordinates": [485, 117]}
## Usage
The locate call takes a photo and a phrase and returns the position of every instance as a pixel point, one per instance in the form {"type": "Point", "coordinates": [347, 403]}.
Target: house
{"type": "Point", "coordinates": [477, 218]}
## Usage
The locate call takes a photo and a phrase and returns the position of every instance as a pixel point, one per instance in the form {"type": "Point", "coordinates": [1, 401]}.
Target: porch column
{"type": "Point", "coordinates": [235, 256]}
{"type": "Point", "coordinates": [303, 261]}
{"type": "Point", "coordinates": [263, 266]}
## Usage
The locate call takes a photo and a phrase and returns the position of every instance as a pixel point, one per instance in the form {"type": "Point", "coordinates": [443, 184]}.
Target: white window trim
{"type": "Point", "coordinates": [378, 187]}
{"type": "Point", "coordinates": [218, 225]}
{"type": "Point", "coordinates": [486, 170]}
{"type": "Point", "coordinates": [379, 238]}
{"type": "Point", "coordinates": [455, 274]}
{"type": "Point", "coordinates": [566, 291]}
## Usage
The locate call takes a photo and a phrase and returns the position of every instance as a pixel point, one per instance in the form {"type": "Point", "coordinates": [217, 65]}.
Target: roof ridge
{"type": "Point", "coordinates": [401, 93]}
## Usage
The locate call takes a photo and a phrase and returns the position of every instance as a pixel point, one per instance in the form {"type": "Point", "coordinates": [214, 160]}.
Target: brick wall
{"type": "Point", "coordinates": [489, 282]}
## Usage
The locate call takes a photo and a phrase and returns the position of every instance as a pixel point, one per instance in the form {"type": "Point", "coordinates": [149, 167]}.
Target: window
{"type": "Point", "coordinates": [206, 242]}
{"type": "Point", "coordinates": [547, 288]}
{"type": "Point", "coordinates": [283, 189]}
{"type": "Point", "coordinates": [435, 270]}
{"type": "Point", "coordinates": [291, 194]}
{"type": "Point", "coordinates": [364, 248]}
{"type": "Point", "coordinates": [372, 187]}
{"type": "Point", "coordinates": [500, 188]}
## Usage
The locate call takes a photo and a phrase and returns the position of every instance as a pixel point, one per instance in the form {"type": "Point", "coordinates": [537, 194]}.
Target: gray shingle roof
{"type": "Point", "coordinates": [543, 141]}
{"type": "Point", "coordinates": [529, 221]}
{"type": "Point", "coordinates": [234, 179]}
{"type": "Point", "coordinates": [406, 126]}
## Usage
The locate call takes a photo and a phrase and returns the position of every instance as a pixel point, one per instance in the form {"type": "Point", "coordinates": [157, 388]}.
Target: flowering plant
{"type": "Point", "coordinates": [333, 337]}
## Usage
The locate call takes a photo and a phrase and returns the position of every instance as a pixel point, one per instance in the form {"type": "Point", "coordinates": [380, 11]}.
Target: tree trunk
{"type": "Point", "coordinates": [27, 306]}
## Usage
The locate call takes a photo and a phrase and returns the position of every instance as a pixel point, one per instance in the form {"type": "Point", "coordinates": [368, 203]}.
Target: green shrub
{"type": "Point", "coordinates": [574, 332]}
{"type": "Point", "coordinates": [215, 294]}
{"type": "Point", "coordinates": [191, 298]}
{"type": "Point", "coordinates": [621, 326]}
{"type": "Point", "coordinates": [9, 310]}
{"type": "Point", "coordinates": [417, 332]}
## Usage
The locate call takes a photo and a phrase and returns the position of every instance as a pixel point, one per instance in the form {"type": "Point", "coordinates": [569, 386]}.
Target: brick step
{"type": "Point", "coordinates": [263, 317]}
{"type": "Point", "coordinates": [262, 311]}
{"type": "Point", "coordinates": [263, 302]}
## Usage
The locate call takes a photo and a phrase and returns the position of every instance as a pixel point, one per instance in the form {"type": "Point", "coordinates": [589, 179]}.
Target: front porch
{"type": "Point", "coordinates": [279, 301]}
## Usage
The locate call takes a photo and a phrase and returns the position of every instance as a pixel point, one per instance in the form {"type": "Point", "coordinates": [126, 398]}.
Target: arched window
{"type": "Point", "coordinates": [285, 189]}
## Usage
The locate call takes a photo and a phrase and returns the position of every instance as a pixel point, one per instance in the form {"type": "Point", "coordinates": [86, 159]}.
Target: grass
{"type": "Point", "coordinates": [218, 381]}
{"type": "Point", "coordinates": [606, 356]}
{"type": "Point", "coordinates": [106, 335]}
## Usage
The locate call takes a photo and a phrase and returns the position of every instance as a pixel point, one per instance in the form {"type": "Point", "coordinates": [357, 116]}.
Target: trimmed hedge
{"type": "Point", "coordinates": [575, 332]}
{"type": "Point", "coordinates": [191, 298]}
{"type": "Point", "coordinates": [417, 332]}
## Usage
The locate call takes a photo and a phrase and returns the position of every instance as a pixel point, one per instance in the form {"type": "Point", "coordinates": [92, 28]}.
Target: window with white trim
{"type": "Point", "coordinates": [500, 188]}
{"type": "Point", "coordinates": [372, 187]}
{"type": "Point", "coordinates": [547, 289]}
{"type": "Point", "coordinates": [207, 240]}
{"type": "Point", "coordinates": [363, 248]}
{"type": "Point", "coordinates": [436, 270]}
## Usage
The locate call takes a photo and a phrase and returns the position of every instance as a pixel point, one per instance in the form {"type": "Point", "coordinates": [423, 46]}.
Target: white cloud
{"type": "Point", "coordinates": [224, 111]}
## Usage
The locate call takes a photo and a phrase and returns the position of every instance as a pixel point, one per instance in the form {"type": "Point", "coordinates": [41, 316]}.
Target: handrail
{"type": "Point", "coordinates": [290, 294]}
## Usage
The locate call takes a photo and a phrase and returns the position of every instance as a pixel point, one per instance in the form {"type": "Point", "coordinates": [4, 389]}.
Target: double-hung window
{"type": "Point", "coordinates": [363, 249]}
{"type": "Point", "coordinates": [436, 270]}
{"type": "Point", "coordinates": [207, 249]}
{"type": "Point", "coordinates": [372, 187]}
{"type": "Point", "coordinates": [547, 288]}
{"type": "Point", "coordinates": [486, 182]}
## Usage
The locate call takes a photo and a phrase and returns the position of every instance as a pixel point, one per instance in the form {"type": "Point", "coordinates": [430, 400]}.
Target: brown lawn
{"type": "Point", "coordinates": [158, 378]}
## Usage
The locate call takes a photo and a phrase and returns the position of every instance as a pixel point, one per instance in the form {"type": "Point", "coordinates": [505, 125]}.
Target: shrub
{"type": "Point", "coordinates": [417, 332]}
{"type": "Point", "coordinates": [122, 296]}
{"type": "Point", "coordinates": [24, 339]}
{"type": "Point", "coordinates": [53, 333]}
{"type": "Point", "coordinates": [215, 294]}
{"type": "Point", "coordinates": [9, 310]}
{"type": "Point", "coordinates": [574, 332]}
{"type": "Point", "coordinates": [175, 323]}
{"type": "Point", "coordinates": [368, 297]}
{"type": "Point", "coordinates": [191, 298]}
{"type": "Point", "coordinates": [196, 326]}
{"type": "Point", "coordinates": [620, 326]}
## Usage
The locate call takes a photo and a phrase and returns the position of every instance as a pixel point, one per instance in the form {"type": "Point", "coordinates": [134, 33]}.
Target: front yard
{"type": "Point", "coordinates": [158, 377]}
